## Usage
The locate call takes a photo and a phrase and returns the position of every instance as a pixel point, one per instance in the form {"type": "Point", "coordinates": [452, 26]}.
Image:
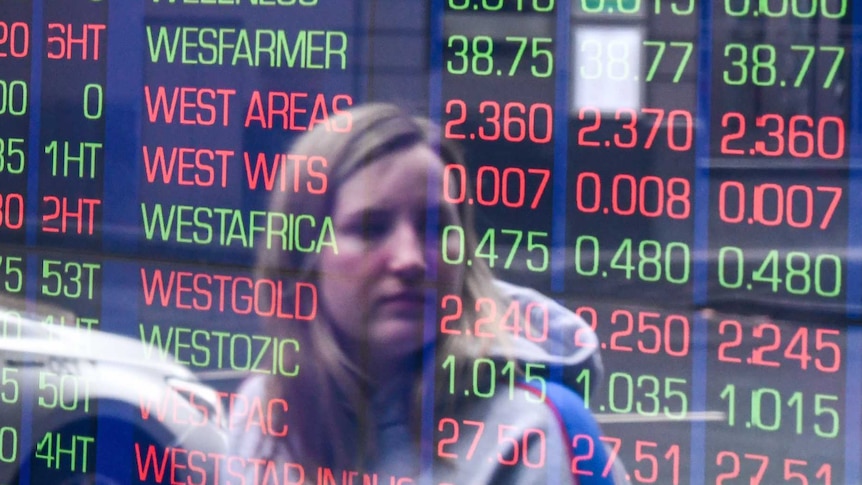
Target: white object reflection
{"type": "Point", "coordinates": [607, 68]}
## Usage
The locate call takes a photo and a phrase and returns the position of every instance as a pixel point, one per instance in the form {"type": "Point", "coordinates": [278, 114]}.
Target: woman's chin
{"type": "Point", "coordinates": [399, 336]}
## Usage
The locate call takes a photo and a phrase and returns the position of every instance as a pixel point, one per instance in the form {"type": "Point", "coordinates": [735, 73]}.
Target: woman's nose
{"type": "Point", "coordinates": [407, 252]}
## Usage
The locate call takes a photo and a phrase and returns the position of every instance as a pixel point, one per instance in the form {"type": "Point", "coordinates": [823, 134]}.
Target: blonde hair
{"type": "Point", "coordinates": [336, 428]}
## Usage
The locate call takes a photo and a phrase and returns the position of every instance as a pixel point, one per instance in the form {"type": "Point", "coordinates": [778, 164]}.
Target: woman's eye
{"type": "Point", "coordinates": [375, 230]}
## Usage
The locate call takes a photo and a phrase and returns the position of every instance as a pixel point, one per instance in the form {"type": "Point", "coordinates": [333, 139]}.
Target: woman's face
{"type": "Point", "coordinates": [374, 288]}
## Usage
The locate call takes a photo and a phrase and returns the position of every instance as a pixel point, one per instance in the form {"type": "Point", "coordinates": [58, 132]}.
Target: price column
{"type": "Point", "coordinates": [780, 155]}
{"type": "Point", "coordinates": [67, 287]}
{"type": "Point", "coordinates": [778, 217]}
{"type": "Point", "coordinates": [72, 124]}
{"type": "Point", "coordinates": [70, 184]}
{"type": "Point", "coordinates": [630, 216]}
{"type": "Point", "coordinates": [15, 64]}
{"type": "Point", "coordinates": [15, 57]}
{"type": "Point", "coordinates": [497, 101]}
{"type": "Point", "coordinates": [775, 381]}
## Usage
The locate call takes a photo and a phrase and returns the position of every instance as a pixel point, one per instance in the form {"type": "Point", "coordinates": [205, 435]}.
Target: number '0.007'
{"type": "Point", "coordinates": [772, 205]}
{"type": "Point", "coordinates": [494, 187]}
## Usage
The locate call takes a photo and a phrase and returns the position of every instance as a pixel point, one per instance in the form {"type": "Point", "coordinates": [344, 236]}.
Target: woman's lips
{"type": "Point", "coordinates": [408, 300]}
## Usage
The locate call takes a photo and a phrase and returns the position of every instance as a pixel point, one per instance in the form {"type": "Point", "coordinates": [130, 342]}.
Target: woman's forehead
{"type": "Point", "coordinates": [396, 176]}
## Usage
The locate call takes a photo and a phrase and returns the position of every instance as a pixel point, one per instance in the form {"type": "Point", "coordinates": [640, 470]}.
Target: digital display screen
{"type": "Point", "coordinates": [439, 242]}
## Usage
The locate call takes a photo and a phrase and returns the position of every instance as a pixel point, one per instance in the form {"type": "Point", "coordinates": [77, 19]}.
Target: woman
{"type": "Point", "coordinates": [383, 393]}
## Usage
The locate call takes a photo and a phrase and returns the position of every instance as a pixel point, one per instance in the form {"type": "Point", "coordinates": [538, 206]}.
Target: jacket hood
{"type": "Point", "coordinates": [571, 345]}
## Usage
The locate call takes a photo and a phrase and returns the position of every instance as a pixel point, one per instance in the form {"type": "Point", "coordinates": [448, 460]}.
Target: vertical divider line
{"type": "Point", "coordinates": [854, 189]}
{"type": "Point", "coordinates": [560, 177]}
{"type": "Point", "coordinates": [700, 338]}
{"type": "Point", "coordinates": [123, 115]}
{"type": "Point", "coordinates": [124, 80]}
{"type": "Point", "coordinates": [561, 147]}
{"type": "Point", "coordinates": [853, 385]}
{"type": "Point", "coordinates": [32, 214]}
{"type": "Point", "coordinates": [37, 34]}
{"type": "Point", "coordinates": [429, 357]}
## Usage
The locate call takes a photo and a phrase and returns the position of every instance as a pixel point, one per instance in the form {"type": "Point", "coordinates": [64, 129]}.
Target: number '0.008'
{"type": "Point", "coordinates": [806, 9]}
{"type": "Point", "coordinates": [650, 196]}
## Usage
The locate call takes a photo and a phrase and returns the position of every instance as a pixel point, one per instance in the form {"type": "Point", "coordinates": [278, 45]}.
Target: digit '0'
{"type": "Point", "coordinates": [491, 374]}
{"type": "Point", "coordinates": [738, 270]}
{"type": "Point", "coordinates": [594, 257]}
{"type": "Point", "coordinates": [459, 231]}
{"type": "Point", "coordinates": [7, 213]}
{"type": "Point", "coordinates": [13, 97]}
{"type": "Point", "coordinates": [90, 91]}
{"type": "Point", "coordinates": [8, 444]}
{"type": "Point", "coordinates": [460, 183]}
